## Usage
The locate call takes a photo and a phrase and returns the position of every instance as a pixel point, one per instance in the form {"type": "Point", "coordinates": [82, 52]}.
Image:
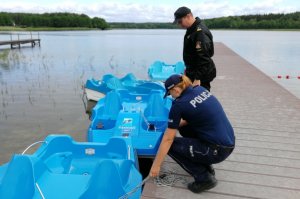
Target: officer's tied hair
{"type": "Point", "coordinates": [186, 82]}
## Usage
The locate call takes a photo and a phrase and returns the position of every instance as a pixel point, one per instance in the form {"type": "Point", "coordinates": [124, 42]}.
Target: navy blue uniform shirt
{"type": "Point", "coordinates": [204, 114]}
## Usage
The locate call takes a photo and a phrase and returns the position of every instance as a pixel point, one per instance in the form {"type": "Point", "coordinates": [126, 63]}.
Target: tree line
{"type": "Point", "coordinates": [57, 20]}
{"type": "Point", "coordinates": [149, 25]}
{"type": "Point", "coordinates": [266, 21]}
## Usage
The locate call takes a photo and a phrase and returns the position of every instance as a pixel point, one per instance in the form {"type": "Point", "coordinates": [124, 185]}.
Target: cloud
{"type": "Point", "coordinates": [115, 11]}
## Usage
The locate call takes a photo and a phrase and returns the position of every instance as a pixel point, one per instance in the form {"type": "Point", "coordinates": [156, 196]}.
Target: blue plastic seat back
{"type": "Point", "coordinates": [128, 80]}
{"type": "Point", "coordinates": [155, 109]}
{"type": "Point", "coordinates": [114, 83]}
{"type": "Point", "coordinates": [179, 68]}
{"type": "Point", "coordinates": [128, 172]}
{"type": "Point", "coordinates": [117, 148]}
{"type": "Point", "coordinates": [105, 182]}
{"type": "Point", "coordinates": [56, 144]}
{"type": "Point", "coordinates": [106, 77]}
{"type": "Point", "coordinates": [112, 105]}
{"type": "Point", "coordinates": [18, 181]}
{"type": "Point", "coordinates": [157, 67]}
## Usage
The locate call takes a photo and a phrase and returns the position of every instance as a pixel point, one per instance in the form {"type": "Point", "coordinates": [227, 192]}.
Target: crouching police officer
{"type": "Point", "coordinates": [207, 135]}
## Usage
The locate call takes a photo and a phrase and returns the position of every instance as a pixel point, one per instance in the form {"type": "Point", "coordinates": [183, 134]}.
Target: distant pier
{"type": "Point", "coordinates": [16, 43]}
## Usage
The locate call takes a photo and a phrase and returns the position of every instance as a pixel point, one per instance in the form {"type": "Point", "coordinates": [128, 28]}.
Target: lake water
{"type": "Point", "coordinates": [41, 87]}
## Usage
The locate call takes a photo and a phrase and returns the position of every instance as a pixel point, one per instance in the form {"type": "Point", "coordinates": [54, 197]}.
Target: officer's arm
{"type": "Point", "coordinates": [206, 46]}
{"type": "Point", "coordinates": [200, 53]}
{"type": "Point", "coordinates": [164, 147]}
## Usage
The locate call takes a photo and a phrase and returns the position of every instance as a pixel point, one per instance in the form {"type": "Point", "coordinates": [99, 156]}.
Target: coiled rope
{"type": "Point", "coordinates": [166, 178]}
{"type": "Point", "coordinates": [169, 178]}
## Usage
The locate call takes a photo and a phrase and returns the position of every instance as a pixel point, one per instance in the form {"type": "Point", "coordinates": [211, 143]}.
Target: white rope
{"type": "Point", "coordinates": [40, 191]}
{"type": "Point", "coordinates": [169, 178]}
{"type": "Point", "coordinates": [135, 189]}
{"type": "Point", "coordinates": [128, 152]}
{"type": "Point", "coordinates": [32, 146]}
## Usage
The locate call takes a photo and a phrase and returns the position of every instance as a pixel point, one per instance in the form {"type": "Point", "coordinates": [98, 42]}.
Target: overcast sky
{"type": "Point", "coordinates": [150, 10]}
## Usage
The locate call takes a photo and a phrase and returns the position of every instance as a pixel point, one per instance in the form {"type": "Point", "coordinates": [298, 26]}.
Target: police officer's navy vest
{"type": "Point", "coordinates": [204, 114]}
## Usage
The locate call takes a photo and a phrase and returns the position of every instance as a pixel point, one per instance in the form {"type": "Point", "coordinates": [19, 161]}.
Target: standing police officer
{"type": "Point", "coordinates": [207, 135]}
{"type": "Point", "coordinates": [198, 48]}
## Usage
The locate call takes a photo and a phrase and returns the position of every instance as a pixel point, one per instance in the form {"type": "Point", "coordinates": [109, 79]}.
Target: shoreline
{"type": "Point", "coordinates": [29, 29]}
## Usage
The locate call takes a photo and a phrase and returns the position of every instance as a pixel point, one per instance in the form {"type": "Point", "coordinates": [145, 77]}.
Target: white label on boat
{"type": "Point", "coordinates": [138, 98]}
{"type": "Point", "coordinates": [127, 121]}
{"type": "Point", "coordinates": [90, 151]}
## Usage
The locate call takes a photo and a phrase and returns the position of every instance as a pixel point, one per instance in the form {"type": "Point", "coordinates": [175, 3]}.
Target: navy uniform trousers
{"type": "Point", "coordinates": [194, 156]}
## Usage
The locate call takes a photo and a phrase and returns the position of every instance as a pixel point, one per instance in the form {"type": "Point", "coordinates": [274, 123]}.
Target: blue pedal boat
{"type": "Point", "coordinates": [97, 89]}
{"type": "Point", "coordinates": [140, 117]}
{"type": "Point", "coordinates": [161, 71]}
{"type": "Point", "coordinates": [62, 168]}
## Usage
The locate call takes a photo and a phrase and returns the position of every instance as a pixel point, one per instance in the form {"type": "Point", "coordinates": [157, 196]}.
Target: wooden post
{"type": "Point", "coordinates": [39, 39]}
{"type": "Point", "coordinates": [11, 45]}
{"type": "Point", "coordinates": [19, 40]}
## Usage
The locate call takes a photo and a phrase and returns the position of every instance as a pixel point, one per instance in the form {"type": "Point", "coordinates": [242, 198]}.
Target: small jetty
{"type": "Point", "coordinates": [266, 119]}
{"type": "Point", "coordinates": [16, 43]}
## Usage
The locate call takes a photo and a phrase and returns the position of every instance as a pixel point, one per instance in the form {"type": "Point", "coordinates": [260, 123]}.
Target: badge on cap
{"type": "Point", "coordinates": [171, 86]}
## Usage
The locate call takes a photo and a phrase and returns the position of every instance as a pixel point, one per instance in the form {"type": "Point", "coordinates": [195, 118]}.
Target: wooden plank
{"type": "Point", "coordinates": [287, 163]}
{"type": "Point", "coordinates": [222, 190]}
{"type": "Point", "coordinates": [146, 197]}
{"type": "Point", "coordinates": [252, 168]}
{"type": "Point", "coordinates": [268, 138]}
{"type": "Point", "coordinates": [267, 145]}
{"type": "Point", "coordinates": [259, 169]}
{"type": "Point", "coordinates": [153, 191]}
{"type": "Point", "coordinates": [267, 152]}
{"type": "Point", "coordinates": [266, 132]}
{"type": "Point", "coordinates": [244, 177]}
{"type": "Point", "coordinates": [259, 179]}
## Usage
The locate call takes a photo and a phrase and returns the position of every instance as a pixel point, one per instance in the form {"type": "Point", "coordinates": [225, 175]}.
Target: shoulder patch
{"type": "Point", "coordinates": [198, 29]}
{"type": "Point", "coordinates": [198, 45]}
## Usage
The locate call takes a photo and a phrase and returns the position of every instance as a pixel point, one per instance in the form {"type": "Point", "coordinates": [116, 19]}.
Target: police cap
{"type": "Point", "coordinates": [181, 12]}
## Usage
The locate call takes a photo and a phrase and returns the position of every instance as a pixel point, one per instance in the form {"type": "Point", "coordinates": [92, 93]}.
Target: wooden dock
{"type": "Point", "coordinates": [17, 43]}
{"type": "Point", "coordinates": [266, 119]}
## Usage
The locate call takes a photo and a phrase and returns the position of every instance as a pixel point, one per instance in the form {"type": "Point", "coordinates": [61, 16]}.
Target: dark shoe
{"type": "Point", "coordinates": [211, 170]}
{"type": "Point", "coordinates": [198, 187]}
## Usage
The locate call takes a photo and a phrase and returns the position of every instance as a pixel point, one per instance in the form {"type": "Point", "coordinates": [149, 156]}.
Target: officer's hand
{"type": "Point", "coordinates": [154, 171]}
